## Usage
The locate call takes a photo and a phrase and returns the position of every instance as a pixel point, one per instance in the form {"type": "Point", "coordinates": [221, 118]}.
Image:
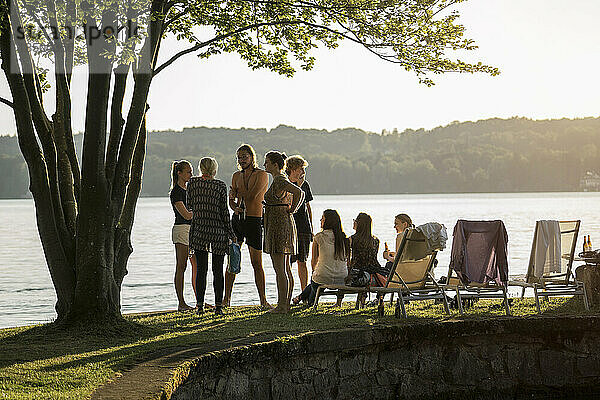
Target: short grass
{"type": "Point", "coordinates": [43, 362]}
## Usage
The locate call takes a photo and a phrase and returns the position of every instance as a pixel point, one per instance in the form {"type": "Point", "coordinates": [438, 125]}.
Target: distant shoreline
{"type": "Point", "coordinates": [373, 194]}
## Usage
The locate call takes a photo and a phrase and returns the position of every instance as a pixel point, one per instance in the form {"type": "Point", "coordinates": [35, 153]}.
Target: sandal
{"type": "Point", "coordinates": [296, 300]}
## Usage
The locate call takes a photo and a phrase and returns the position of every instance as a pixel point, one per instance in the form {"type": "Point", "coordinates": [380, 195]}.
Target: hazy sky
{"type": "Point", "coordinates": [548, 52]}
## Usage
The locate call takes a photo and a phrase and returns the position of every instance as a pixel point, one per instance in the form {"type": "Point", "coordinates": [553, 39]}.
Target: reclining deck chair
{"type": "Point", "coordinates": [550, 269]}
{"type": "Point", "coordinates": [478, 264]}
{"type": "Point", "coordinates": [411, 275]}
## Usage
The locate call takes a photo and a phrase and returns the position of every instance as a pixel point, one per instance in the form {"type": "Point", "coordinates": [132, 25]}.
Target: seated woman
{"type": "Point", "coordinates": [401, 223]}
{"type": "Point", "coordinates": [330, 252]}
{"type": "Point", "coordinates": [364, 247]}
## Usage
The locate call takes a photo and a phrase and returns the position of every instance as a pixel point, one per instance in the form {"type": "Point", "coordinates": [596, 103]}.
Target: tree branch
{"type": "Point", "coordinates": [137, 110]}
{"type": "Point", "coordinates": [7, 102]}
{"type": "Point", "coordinates": [221, 37]}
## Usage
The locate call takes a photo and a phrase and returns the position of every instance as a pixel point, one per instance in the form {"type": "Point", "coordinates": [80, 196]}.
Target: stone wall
{"type": "Point", "coordinates": [495, 359]}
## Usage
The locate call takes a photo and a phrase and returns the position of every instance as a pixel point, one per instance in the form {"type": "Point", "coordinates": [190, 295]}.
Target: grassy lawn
{"type": "Point", "coordinates": [44, 362]}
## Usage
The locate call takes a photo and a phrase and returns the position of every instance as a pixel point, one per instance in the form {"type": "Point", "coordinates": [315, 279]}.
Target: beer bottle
{"type": "Point", "coordinates": [386, 246]}
{"type": "Point", "coordinates": [584, 244]}
{"type": "Point", "coordinates": [587, 245]}
{"type": "Point", "coordinates": [590, 244]}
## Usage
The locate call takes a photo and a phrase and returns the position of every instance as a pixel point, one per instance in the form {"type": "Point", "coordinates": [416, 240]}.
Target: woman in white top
{"type": "Point", "coordinates": [330, 251]}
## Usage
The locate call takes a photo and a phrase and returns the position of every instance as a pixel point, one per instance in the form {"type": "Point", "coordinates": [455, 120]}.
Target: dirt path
{"type": "Point", "coordinates": [147, 379]}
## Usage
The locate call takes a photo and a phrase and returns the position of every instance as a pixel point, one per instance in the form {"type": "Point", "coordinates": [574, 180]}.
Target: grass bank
{"type": "Point", "coordinates": [42, 362]}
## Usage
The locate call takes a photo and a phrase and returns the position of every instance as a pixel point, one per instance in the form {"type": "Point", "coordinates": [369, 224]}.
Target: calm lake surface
{"type": "Point", "coordinates": [27, 295]}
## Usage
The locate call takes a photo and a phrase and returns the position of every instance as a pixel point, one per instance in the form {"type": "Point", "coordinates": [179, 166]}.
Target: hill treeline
{"type": "Point", "coordinates": [494, 155]}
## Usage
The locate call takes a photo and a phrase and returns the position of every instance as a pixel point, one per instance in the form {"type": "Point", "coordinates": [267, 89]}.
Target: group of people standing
{"type": "Point", "coordinates": [275, 219]}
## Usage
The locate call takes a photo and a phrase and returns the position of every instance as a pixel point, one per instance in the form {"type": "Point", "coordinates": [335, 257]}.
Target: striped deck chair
{"type": "Point", "coordinates": [557, 278]}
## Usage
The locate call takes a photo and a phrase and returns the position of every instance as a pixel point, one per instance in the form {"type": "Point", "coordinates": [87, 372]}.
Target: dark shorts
{"type": "Point", "coordinates": [304, 240]}
{"type": "Point", "coordinates": [249, 229]}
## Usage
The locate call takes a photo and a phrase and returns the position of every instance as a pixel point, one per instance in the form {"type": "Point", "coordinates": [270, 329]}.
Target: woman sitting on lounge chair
{"type": "Point", "coordinates": [364, 247]}
{"type": "Point", "coordinates": [330, 252]}
{"type": "Point", "coordinates": [401, 223]}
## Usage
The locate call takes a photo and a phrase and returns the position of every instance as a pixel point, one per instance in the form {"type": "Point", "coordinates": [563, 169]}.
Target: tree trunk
{"type": "Point", "coordinates": [84, 217]}
{"type": "Point", "coordinates": [61, 271]}
{"type": "Point", "coordinates": [96, 292]}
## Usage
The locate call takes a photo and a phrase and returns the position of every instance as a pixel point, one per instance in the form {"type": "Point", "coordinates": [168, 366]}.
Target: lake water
{"type": "Point", "coordinates": [27, 295]}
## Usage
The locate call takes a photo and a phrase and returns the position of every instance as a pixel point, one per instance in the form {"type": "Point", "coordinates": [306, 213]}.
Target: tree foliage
{"type": "Point", "coordinates": [85, 210]}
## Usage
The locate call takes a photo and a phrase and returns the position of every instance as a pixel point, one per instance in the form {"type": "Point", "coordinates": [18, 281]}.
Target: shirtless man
{"type": "Point", "coordinates": [248, 187]}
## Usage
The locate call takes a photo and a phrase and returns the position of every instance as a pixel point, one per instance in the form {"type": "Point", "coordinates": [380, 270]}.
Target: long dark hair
{"type": "Point", "coordinates": [333, 222]}
{"type": "Point", "coordinates": [363, 236]}
{"type": "Point", "coordinates": [176, 167]}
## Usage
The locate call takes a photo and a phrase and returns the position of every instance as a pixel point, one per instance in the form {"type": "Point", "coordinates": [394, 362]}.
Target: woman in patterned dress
{"type": "Point", "coordinates": [211, 229]}
{"type": "Point", "coordinates": [280, 229]}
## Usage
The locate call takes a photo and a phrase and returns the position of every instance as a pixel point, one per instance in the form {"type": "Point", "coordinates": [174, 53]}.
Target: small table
{"type": "Point", "coordinates": [589, 274]}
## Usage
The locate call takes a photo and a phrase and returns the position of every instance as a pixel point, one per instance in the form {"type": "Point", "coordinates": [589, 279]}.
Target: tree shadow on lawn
{"type": "Point", "coordinates": [235, 328]}
{"type": "Point", "coordinates": [44, 342]}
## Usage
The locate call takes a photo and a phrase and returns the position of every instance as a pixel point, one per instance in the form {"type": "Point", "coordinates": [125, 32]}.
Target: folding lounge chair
{"type": "Point", "coordinates": [325, 290]}
{"type": "Point", "coordinates": [546, 283]}
{"type": "Point", "coordinates": [411, 275]}
{"type": "Point", "coordinates": [478, 266]}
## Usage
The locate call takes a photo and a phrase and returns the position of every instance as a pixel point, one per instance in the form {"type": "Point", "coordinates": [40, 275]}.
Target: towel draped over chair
{"type": "Point", "coordinates": [479, 251]}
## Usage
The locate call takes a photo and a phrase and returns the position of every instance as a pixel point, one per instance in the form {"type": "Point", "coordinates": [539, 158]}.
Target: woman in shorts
{"type": "Point", "coordinates": [181, 172]}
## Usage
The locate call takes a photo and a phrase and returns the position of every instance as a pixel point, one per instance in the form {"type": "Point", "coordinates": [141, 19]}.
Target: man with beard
{"type": "Point", "coordinates": [248, 187]}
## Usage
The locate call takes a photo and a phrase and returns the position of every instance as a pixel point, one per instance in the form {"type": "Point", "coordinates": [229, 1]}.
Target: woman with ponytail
{"type": "Point", "coordinates": [181, 172]}
{"type": "Point", "coordinates": [330, 252]}
{"type": "Point", "coordinates": [280, 228]}
{"type": "Point", "coordinates": [401, 223]}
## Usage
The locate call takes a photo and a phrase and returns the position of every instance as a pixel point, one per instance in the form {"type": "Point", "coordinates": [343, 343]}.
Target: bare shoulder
{"type": "Point", "coordinates": [237, 175]}
{"type": "Point", "coordinates": [261, 172]}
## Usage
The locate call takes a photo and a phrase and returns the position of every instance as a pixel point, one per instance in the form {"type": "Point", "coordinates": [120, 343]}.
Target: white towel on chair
{"type": "Point", "coordinates": [547, 249]}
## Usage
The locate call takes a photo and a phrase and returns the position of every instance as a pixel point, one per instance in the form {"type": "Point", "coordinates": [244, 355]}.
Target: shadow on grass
{"type": "Point", "coordinates": [178, 332]}
{"type": "Point", "coordinates": [146, 337]}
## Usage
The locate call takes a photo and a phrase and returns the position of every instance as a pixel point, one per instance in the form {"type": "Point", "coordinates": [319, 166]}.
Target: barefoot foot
{"type": "Point", "coordinates": [278, 310]}
{"type": "Point", "coordinates": [184, 307]}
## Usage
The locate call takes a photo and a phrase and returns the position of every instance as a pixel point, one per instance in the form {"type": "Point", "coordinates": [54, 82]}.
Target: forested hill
{"type": "Point", "coordinates": [495, 155]}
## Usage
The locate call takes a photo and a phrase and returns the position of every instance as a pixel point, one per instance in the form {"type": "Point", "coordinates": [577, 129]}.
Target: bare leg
{"type": "Point", "coordinates": [259, 274]}
{"type": "Point", "coordinates": [303, 274]}
{"type": "Point", "coordinates": [290, 278]}
{"type": "Point", "coordinates": [194, 272]}
{"type": "Point", "coordinates": [282, 283]}
{"type": "Point", "coordinates": [229, 278]}
{"type": "Point", "coordinates": [181, 257]}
